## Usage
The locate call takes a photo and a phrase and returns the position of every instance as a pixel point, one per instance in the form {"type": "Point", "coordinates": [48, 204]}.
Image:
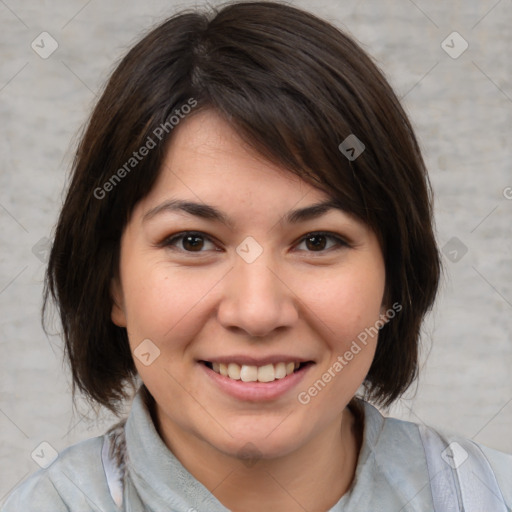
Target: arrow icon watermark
{"type": "Point", "coordinates": [44, 45]}
{"type": "Point", "coordinates": [351, 147]}
{"type": "Point", "coordinates": [249, 250]}
{"type": "Point", "coordinates": [454, 249]}
{"type": "Point", "coordinates": [454, 45]}
{"type": "Point", "coordinates": [44, 454]}
{"type": "Point", "coordinates": [147, 352]}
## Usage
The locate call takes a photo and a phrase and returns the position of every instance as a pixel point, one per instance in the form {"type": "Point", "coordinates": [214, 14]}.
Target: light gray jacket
{"type": "Point", "coordinates": [402, 467]}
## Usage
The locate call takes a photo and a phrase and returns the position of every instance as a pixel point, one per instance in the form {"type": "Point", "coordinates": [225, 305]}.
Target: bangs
{"type": "Point", "coordinates": [296, 111]}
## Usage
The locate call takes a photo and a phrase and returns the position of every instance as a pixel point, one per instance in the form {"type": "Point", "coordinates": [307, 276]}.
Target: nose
{"type": "Point", "coordinates": [256, 299]}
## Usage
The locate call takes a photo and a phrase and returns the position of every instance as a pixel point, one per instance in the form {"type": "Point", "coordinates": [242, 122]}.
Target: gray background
{"type": "Point", "coordinates": [461, 109]}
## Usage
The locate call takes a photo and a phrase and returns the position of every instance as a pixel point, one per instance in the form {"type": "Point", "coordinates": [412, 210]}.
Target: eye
{"type": "Point", "coordinates": [195, 242]}
{"type": "Point", "coordinates": [190, 241]}
{"type": "Point", "coordinates": [317, 241]}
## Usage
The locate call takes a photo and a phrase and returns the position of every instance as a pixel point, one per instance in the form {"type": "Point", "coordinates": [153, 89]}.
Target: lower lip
{"type": "Point", "coordinates": [256, 391]}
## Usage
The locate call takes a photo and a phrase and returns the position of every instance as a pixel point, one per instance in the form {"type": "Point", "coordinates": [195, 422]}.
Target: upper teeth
{"type": "Point", "coordinates": [249, 373]}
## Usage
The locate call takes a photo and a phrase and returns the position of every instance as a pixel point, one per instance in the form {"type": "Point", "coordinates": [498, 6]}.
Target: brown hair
{"type": "Point", "coordinates": [294, 87]}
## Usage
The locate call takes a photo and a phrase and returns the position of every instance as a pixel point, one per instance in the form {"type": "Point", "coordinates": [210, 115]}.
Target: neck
{"type": "Point", "coordinates": [313, 477]}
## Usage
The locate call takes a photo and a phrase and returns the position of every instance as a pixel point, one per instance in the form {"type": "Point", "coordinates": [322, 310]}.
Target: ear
{"type": "Point", "coordinates": [382, 314]}
{"type": "Point", "coordinates": [386, 301]}
{"type": "Point", "coordinates": [117, 314]}
{"type": "Point", "coordinates": [384, 308]}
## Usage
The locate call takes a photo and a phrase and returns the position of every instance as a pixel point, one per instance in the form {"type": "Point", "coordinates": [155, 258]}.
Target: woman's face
{"type": "Point", "coordinates": [246, 293]}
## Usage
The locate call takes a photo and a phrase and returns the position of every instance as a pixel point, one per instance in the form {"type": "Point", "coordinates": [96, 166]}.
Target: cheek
{"type": "Point", "coordinates": [347, 307]}
{"type": "Point", "coordinates": [346, 302]}
{"type": "Point", "coordinates": [164, 304]}
{"type": "Point", "coordinates": [162, 301]}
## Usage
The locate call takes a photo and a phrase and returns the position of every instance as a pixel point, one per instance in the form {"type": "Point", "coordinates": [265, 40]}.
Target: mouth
{"type": "Point", "coordinates": [265, 373]}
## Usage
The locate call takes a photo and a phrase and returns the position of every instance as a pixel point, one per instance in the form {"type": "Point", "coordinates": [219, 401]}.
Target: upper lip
{"type": "Point", "coordinates": [256, 361]}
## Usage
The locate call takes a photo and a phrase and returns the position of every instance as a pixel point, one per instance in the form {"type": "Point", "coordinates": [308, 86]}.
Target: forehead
{"type": "Point", "coordinates": [206, 160]}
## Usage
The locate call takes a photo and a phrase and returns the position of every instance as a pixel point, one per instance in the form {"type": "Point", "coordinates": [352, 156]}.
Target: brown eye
{"type": "Point", "coordinates": [193, 242]}
{"type": "Point", "coordinates": [188, 242]}
{"type": "Point", "coordinates": [317, 242]}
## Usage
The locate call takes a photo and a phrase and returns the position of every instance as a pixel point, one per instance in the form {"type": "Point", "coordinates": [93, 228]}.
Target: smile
{"type": "Point", "coordinates": [252, 373]}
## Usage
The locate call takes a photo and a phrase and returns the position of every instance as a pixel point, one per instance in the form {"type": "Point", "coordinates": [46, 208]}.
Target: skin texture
{"type": "Point", "coordinates": [306, 300]}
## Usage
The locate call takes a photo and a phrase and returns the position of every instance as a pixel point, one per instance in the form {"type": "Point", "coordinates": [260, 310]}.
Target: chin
{"type": "Point", "coordinates": [265, 442]}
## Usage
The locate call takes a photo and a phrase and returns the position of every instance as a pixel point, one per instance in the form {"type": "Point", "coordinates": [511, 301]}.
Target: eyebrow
{"type": "Point", "coordinates": [208, 212]}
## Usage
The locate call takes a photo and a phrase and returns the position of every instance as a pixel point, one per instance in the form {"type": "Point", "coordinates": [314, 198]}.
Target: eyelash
{"type": "Point", "coordinates": [170, 241]}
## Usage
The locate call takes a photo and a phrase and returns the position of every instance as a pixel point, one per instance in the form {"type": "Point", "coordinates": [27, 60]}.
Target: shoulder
{"type": "Point", "coordinates": [74, 481]}
{"type": "Point", "coordinates": [499, 460]}
{"type": "Point", "coordinates": [405, 446]}
{"type": "Point", "coordinates": [501, 464]}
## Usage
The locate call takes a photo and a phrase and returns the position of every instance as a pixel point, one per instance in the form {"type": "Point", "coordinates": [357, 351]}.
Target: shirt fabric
{"type": "Point", "coordinates": [391, 474]}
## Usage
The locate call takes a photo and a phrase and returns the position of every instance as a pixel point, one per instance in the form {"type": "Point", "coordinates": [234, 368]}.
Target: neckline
{"type": "Point", "coordinates": [165, 481]}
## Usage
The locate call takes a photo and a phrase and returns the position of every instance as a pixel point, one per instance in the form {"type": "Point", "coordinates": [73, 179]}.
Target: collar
{"type": "Point", "coordinates": [161, 481]}
{"type": "Point", "coordinates": [159, 478]}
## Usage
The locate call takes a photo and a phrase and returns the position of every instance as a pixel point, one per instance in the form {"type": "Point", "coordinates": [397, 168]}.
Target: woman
{"type": "Point", "coordinates": [246, 243]}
